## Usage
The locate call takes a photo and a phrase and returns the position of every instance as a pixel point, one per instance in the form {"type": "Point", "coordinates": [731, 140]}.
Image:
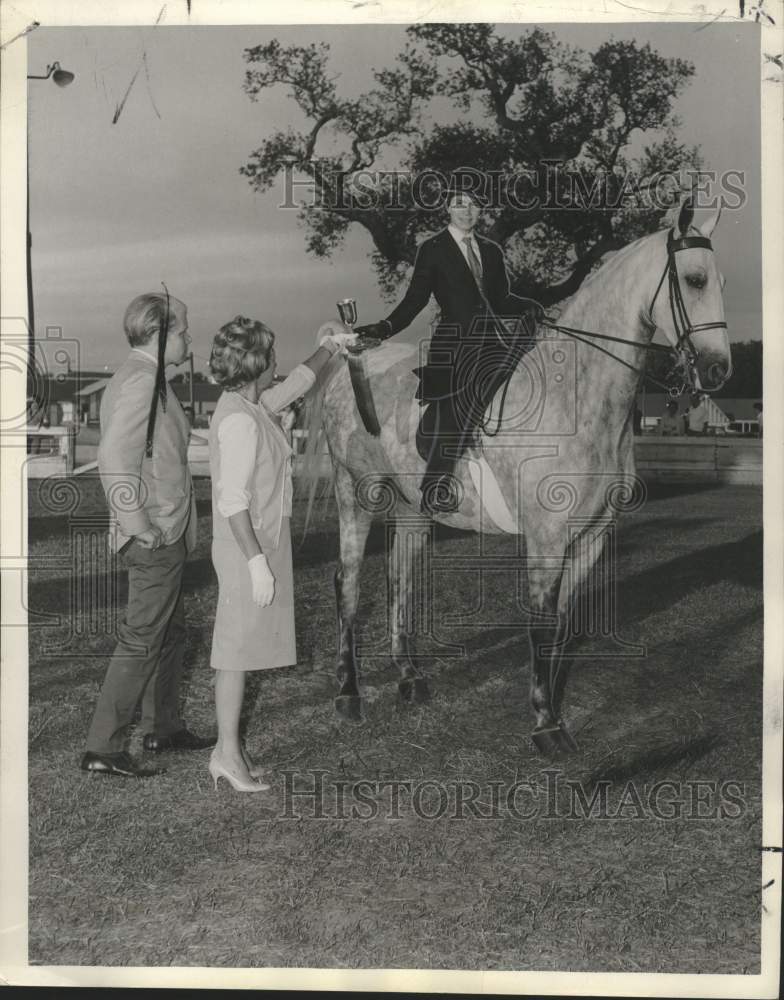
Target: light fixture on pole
{"type": "Point", "coordinates": [62, 77]}
{"type": "Point", "coordinates": [59, 75]}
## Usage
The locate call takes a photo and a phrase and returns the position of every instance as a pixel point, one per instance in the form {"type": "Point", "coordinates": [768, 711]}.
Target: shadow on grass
{"type": "Point", "coordinates": [647, 592]}
{"type": "Point", "coordinates": [45, 527]}
{"type": "Point", "coordinates": [47, 597]}
{"type": "Point", "coordinates": [657, 758]}
{"type": "Point", "coordinates": [660, 587]}
{"type": "Point", "coordinates": [657, 491]}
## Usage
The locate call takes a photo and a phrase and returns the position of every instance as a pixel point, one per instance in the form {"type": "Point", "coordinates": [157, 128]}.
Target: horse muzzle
{"type": "Point", "coordinates": [713, 372]}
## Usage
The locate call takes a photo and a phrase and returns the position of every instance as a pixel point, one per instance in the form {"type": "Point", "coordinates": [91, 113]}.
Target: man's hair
{"type": "Point", "coordinates": [241, 351]}
{"type": "Point", "coordinates": [144, 317]}
{"type": "Point", "coordinates": [473, 196]}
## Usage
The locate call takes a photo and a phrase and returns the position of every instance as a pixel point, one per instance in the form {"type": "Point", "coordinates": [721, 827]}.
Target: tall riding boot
{"type": "Point", "coordinates": [436, 434]}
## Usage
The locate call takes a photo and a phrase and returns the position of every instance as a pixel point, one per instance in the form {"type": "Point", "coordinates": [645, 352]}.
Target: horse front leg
{"type": "Point", "coordinates": [548, 669]}
{"type": "Point", "coordinates": [354, 527]}
{"type": "Point", "coordinates": [408, 593]}
{"type": "Point", "coordinates": [587, 581]}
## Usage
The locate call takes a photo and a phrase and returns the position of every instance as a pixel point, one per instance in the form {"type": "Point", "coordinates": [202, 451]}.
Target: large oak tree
{"type": "Point", "coordinates": [526, 105]}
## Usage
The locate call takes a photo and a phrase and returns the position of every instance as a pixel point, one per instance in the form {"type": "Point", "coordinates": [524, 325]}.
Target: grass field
{"type": "Point", "coordinates": [167, 872]}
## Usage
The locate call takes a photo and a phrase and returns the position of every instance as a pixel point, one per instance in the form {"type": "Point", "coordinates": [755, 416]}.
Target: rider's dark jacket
{"type": "Point", "coordinates": [468, 331]}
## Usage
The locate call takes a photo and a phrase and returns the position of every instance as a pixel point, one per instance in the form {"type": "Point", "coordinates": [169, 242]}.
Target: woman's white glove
{"type": "Point", "coordinates": [334, 336]}
{"type": "Point", "coordinates": [262, 580]}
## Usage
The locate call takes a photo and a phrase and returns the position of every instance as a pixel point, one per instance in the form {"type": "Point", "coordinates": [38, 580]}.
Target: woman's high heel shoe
{"type": "Point", "coordinates": [254, 770]}
{"type": "Point", "coordinates": [219, 770]}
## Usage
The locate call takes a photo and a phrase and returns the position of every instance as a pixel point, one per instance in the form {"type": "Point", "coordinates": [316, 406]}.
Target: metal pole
{"type": "Point", "coordinates": [30, 314]}
{"type": "Point", "coordinates": [193, 408]}
{"type": "Point", "coordinates": [644, 414]}
{"type": "Point", "coordinates": [62, 78]}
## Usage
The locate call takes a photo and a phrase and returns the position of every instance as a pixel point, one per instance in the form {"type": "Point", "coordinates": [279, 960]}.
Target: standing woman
{"type": "Point", "coordinates": [250, 465]}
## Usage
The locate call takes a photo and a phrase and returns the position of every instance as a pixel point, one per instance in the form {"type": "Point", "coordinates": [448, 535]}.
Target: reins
{"type": "Point", "coordinates": [582, 334]}
{"type": "Point", "coordinates": [684, 328]}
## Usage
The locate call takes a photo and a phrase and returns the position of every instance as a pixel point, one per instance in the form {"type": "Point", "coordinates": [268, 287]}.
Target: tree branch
{"type": "Point", "coordinates": [550, 294]}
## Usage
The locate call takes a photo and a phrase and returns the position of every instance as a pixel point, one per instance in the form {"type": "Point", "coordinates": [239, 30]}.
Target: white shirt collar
{"type": "Point", "coordinates": [147, 354]}
{"type": "Point", "coordinates": [458, 236]}
{"type": "Point", "coordinates": [152, 357]}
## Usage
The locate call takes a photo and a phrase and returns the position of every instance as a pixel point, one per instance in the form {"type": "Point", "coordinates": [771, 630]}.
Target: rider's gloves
{"type": "Point", "coordinates": [375, 331]}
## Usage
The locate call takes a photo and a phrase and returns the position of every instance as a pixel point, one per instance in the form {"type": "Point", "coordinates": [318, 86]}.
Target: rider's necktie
{"type": "Point", "coordinates": [474, 263]}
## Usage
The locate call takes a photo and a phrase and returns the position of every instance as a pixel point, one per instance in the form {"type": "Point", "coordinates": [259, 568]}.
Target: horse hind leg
{"type": "Point", "coordinates": [407, 594]}
{"type": "Point", "coordinates": [354, 527]}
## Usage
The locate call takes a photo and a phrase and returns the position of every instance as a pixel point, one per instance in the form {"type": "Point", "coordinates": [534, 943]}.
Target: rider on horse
{"type": "Point", "coordinates": [481, 334]}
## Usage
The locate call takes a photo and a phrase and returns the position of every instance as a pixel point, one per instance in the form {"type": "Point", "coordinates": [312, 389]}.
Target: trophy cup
{"type": "Point", "coordinates": [358, 368]}
{"type": "Point", "coordinates": [347, 310]}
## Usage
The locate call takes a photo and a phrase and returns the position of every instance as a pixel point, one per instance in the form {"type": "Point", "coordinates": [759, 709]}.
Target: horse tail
{"type": "Point", "coordinates": [310, 472]}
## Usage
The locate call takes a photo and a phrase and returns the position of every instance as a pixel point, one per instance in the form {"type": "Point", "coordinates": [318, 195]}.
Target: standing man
{"type": "Point", "coordinates": [669, 424]}
{"type": "Point", "coordinates": [696, 417]}
{"type": "Point", "coordinates": [758, 409]}
{"type": "Point", "coordinates": [143, 462]}
{"type": "Point", "coordinates": [471, 350]}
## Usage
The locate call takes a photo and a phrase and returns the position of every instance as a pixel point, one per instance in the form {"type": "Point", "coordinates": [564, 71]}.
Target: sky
{"type": "Point", "coordinates": [117, 208]}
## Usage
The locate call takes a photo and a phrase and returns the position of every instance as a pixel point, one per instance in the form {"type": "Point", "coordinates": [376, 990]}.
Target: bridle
{"type": "Point", "coordinates": [683, 351]}
{"type": "Point", "coordinates": [683, 347]}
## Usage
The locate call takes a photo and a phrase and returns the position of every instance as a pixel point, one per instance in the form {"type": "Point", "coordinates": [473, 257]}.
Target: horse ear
{"type": "Point", "coordinates": [710, 224]}
{"type": "Point", "coordinates": [685, 215]}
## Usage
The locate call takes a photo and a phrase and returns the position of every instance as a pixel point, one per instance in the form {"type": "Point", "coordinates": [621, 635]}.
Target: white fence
{"type": "Point", "coordinates": [710, 459]}
{"type": "Point", "coordinates": [50, 451]}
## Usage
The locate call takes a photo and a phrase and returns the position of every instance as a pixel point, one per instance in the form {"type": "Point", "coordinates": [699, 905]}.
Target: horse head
{"type": "Point", "coordinates": [692, 315]}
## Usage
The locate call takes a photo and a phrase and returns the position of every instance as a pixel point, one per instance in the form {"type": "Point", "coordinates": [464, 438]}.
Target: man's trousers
{"type": "Point", "coordinates": [147, 662]}
{"type": "Point", "coordinates": [463, 389]}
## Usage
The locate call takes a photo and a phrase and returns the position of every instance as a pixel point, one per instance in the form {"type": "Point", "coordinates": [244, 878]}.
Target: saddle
{"type": "Point", "coordinates": [457, 386]}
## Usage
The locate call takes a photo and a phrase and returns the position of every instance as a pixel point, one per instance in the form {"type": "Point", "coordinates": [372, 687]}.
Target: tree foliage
{"type": "Point", "coordinates": [525, 105]}
{"type": "Point", "coordinates": [745, 382]}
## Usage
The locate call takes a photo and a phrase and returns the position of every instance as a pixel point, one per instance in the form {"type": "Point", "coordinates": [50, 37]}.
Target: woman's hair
{"type": "Point", "coordinates": [145, 315]}
{"type": "Point", "coordinates": [240, 352]}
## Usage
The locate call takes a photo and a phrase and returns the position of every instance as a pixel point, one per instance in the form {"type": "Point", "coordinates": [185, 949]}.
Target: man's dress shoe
{"type": "Point", "coordinates": [183, 739]}
{"type": "Point", "coordinates": [122, 765]}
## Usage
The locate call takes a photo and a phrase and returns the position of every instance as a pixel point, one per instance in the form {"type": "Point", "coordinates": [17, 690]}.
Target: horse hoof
{"type": "Point", "coordinates": [543, 741]}
{"type": "Point", "coordinates": [415, 691]}
{"type": "Point", "coordinates": [553, 740]}
{"type": "Point", "coordinates": [567, 742]}
{"type": "Point", "coordinates": [349, 707]}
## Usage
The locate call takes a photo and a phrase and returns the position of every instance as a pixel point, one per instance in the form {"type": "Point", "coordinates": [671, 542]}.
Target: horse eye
{"type": "Point", "coordinates": [696, 280]}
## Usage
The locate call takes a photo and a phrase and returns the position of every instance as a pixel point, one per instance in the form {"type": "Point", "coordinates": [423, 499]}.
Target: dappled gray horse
{"type": "Point", "coordinates": [559, 467]}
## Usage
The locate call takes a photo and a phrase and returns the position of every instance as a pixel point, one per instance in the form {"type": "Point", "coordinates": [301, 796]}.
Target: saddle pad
{"type": "Point", "coordinates": [489, 492]}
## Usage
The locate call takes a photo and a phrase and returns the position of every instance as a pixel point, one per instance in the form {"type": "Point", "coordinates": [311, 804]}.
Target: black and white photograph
{"type": "Point", "coordinates": [392, 553]}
